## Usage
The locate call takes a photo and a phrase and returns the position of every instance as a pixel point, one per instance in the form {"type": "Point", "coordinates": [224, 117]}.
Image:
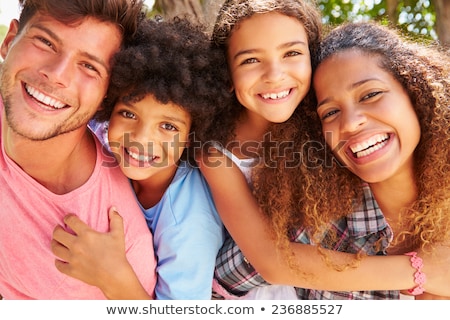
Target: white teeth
{"type": "Point", "coordinates": [373, 144]}
{"type": "Point", "coordinates": [43, 98]}
{"type": "Point", "coordinates": [275, 96]}
{"type": "Point", "coordinates": [140, 157]}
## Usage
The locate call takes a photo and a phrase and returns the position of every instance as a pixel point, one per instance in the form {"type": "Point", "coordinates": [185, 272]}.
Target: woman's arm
{"type": "Point", "coordinates": [90, 256]}
{"type": "Point", "coordinates": [248, 227]}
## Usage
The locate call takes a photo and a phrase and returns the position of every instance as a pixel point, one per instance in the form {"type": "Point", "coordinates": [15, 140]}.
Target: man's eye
{"type": "Point", "coordinates": [46, 42]}
{"type": "Point", "coordinates": [90, 67]}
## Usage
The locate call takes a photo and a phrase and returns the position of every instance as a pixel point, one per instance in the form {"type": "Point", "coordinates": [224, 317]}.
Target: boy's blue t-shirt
{"type": "Point", "coordinates": [187, 233]}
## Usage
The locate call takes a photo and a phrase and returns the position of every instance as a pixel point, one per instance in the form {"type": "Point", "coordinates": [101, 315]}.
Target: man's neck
{"type": "Point", "coordinates": [60, 164]}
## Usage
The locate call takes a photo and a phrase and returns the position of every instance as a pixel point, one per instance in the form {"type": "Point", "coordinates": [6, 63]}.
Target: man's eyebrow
{"type": "Point", "coordinates": [56, 38]}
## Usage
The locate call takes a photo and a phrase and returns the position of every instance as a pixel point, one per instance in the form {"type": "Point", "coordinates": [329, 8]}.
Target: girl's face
{"type": "Point", "coordinates": [270, 65]}
{"type": "Point", "coordinates": [367, 117]}
{"type": "Point", "coordinates": [148, 137]}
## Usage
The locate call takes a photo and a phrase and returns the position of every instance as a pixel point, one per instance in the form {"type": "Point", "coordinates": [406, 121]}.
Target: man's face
{"type": "Point", "coordinates": [54, 76]}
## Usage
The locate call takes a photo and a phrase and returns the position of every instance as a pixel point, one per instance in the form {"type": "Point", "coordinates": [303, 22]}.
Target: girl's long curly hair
{"type": "Point", "coordinates": [268, 188]}
{"type": "Point", "coordinates": [319, 190]}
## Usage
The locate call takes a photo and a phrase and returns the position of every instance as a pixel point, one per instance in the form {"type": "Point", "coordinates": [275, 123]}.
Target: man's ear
{"type": "Point", "coordinates": [9, 38]}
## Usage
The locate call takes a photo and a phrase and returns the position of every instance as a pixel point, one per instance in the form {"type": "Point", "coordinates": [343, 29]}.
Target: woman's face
{"type": "Point", "coordinates": [367, 116]}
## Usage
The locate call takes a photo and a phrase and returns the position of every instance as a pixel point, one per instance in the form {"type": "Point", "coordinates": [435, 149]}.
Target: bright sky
{"type": "Point", "coordinates": [9, 9]}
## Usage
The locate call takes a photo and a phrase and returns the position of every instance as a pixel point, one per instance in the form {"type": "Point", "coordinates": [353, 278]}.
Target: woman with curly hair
{"type": "Point", "coordinates": [167, 83]}
{"type": "Point", "coordinates": [383, 105]}
{"type": "Point", "coordinates": [285, 177]}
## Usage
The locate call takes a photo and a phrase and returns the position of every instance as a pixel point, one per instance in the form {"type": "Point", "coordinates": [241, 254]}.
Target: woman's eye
{"type": "Point", "coordinates": [371, 95]}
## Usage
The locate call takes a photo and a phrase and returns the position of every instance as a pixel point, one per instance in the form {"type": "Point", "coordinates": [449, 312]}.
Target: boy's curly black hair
{"type": "Point", "coordinates": [174, 61]}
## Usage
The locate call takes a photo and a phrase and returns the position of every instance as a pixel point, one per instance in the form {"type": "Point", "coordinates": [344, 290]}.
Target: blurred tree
{"type": "Point", "coordinates": [192, 9]}
{"type": "Point", "coordinates": [442, 8]}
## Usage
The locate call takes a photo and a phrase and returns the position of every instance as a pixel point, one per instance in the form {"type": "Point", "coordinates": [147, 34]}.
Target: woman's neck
{"type": "Point", "coordinates": [393, 196]}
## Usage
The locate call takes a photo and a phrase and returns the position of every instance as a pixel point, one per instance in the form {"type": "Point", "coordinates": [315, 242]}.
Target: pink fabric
{"type": "Point", "coordinates": [29, 212]}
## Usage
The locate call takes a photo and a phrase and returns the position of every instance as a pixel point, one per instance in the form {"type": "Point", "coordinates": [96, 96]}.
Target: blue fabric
{"type": "Point", "coordinates": [188, 234]}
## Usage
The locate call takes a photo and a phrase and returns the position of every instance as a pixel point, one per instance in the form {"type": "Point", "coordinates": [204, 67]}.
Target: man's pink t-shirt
{"type": "Point", "coordinates": [29, 213]}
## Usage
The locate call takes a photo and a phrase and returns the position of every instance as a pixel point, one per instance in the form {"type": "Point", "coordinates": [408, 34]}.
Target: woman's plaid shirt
{"type": "Point", "coordinates": [357, 232]}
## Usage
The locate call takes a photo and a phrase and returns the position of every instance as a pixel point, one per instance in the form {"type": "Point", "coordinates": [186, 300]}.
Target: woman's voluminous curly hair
{"type": "Point", "coordinates": [424, 72]}
{"type": "Point", "coordinates": [231, 14]}
{"type": "Point", "coordinates": [175, 62]}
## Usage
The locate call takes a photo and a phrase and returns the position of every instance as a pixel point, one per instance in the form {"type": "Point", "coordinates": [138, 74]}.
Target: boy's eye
{"type": "Point", "coordinates": [168, 126]}
{"type": "Point", "coordinates": [128, 114]}
{"type": "Point", "coordinates": [249, 61]}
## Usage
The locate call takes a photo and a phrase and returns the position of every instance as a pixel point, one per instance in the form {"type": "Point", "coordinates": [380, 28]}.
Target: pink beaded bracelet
{"type": "Point", "coordinates": [419, 276]}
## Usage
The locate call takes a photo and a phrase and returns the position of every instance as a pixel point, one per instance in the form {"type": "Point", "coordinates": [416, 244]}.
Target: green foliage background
{"type": "Point", "coordinates": [416, 17]}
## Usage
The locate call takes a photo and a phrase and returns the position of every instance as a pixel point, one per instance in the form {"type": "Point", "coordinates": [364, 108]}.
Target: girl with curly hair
{"type": "Point", "coordinates": [167, 83]}
{"type": "Point", "coordinates": [272, 142]}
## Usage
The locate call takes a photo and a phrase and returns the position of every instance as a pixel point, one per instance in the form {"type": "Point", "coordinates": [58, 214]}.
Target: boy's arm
{"type": "Point", "coordinates": [97, 258]}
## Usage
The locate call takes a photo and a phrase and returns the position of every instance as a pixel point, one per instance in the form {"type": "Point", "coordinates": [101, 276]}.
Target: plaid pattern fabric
{"type": "Point", "coordinates": [234, 272]}
{"type": "Point", "coordinates": [363, 230]}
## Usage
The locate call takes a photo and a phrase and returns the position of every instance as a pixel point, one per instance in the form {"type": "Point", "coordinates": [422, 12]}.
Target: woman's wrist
{"type": "Point", "coordinates": [419, 275]}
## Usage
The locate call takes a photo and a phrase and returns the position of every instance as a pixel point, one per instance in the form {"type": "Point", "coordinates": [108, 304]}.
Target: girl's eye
{"type": "Point", "coordinates": [292, 53]}
{"type": "Point", "coordinates": [168, 126]}
{"type": "Point", "coordinates": [329, 114]}
{"type": "Point", "coordinates": [128, 114]}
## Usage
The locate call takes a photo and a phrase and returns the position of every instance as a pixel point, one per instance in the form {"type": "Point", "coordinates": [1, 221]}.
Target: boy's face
{"type": "Point", "coordinates": [148, 137]}
{"type": "Point", "coordinates": [54, 76]}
